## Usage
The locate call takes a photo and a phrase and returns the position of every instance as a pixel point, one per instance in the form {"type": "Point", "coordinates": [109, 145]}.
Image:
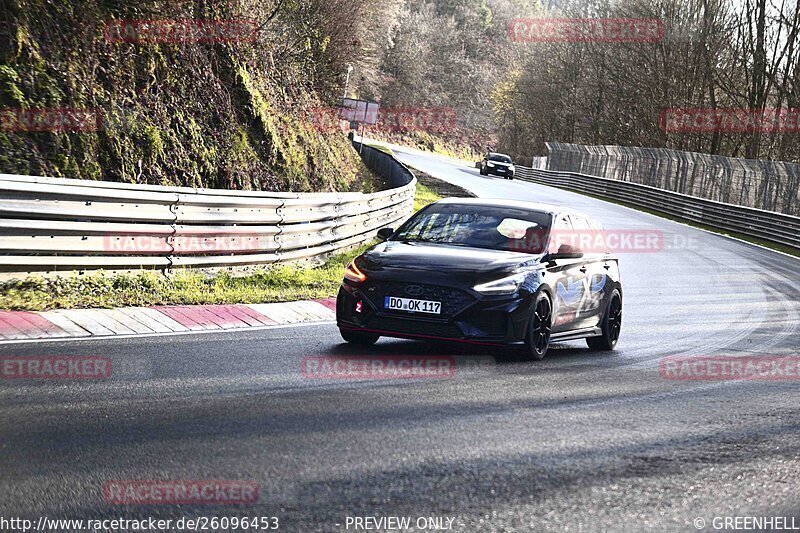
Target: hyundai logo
{"type": "Point", "coordinates": [414, 290]}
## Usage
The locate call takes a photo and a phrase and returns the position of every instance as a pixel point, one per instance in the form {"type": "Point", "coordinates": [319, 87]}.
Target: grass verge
{"type": "Point", "coordinates": [458, 144]}
{"type": "Point", "coordinates": [424, 196]}
{"type": "Point", "coordinates": [276, 284]}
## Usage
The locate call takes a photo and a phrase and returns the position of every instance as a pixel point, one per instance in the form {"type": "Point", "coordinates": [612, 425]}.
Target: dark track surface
{"type": "Point", "coordinates": [578, 441]}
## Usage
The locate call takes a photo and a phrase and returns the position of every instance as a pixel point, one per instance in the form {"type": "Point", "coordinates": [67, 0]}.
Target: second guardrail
{"type": "Point", "coordinates": [774, 227]}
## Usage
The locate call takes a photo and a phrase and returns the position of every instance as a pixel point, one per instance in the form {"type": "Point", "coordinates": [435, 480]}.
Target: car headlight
{"type": "Point", "coordinates": [353, 273]}
{"type": "Point", "coordinates": [489, 164]}
{"type": "Point", "coordinates": [511, 168]}
{"type": "Point", "coordinates": [508, 285]}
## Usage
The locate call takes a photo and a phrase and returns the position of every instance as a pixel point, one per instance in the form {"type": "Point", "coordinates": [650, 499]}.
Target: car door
{"type": "Point", "coordinates": [591, 307]}
{"type": "Point", "coordinates": [569, 281]}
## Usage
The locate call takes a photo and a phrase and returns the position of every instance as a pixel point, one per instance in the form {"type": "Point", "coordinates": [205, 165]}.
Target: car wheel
{"type": "Point", "coordinates": [612, 324]}
{"type": "Point", "coordinates": [538, 339]}
{"type": "Point", "coordinates": [483, 171]}
{"type": "Point", "coordinates": [359, 338]}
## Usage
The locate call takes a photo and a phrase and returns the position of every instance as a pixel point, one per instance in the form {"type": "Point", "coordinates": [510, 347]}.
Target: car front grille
{"type": "Point", "coordinates": [416, 327]}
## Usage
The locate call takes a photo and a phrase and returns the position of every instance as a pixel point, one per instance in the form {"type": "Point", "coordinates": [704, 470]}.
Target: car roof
{"type": "Point", "coordinates": [498, 153]}
{"type": "Point", "coordinates": [501, 202]}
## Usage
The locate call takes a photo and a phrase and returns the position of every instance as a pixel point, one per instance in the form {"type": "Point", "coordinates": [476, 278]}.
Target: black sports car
{"type": "Point", "coordinates": [485, 272]}
{"type": "Point", "coordinates": [499, 165]}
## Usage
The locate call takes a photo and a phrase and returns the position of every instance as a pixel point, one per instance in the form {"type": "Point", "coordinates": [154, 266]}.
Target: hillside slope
{"type": "Point", "coordinates": [224, 112]}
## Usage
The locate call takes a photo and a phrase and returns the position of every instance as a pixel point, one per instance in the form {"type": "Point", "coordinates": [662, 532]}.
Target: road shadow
{"type": "Point", "coordinates": [503, 355]}
{"type": "Point", "coordinates": [474, 173]}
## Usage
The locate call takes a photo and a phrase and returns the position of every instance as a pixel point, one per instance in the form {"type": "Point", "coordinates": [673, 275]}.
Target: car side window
{"type": "Point", "coordinates": [589, 234]}
{"type": "Point", "coordinates": [561, 233]}
{"type": "Point", "coordinates": [583, 232]}
{"type": "Point", "coordinates": [579, 223]}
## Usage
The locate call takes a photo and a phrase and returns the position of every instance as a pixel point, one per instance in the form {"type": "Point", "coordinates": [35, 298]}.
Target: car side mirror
{"type": "Point", "coordinates": [565, 251]}
{"type": "Point", "coordinates": [385, 233]}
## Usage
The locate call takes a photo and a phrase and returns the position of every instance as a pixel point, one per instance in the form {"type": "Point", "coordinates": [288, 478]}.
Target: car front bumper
{"type": "Point", "coordinates": [466, 316]}
{"type": "Point", "coordinates": [500, 171]}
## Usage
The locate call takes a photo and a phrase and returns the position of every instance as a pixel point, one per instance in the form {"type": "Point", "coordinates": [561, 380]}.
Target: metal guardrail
{"type": "Point", "coordinates": [774, 227]}
{"type": "Point", "coordinates": [59, 226]}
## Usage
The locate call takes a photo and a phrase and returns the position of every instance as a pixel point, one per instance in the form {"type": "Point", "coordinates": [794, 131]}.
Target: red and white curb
{"type": "Point", "coordinates": [18, 326]}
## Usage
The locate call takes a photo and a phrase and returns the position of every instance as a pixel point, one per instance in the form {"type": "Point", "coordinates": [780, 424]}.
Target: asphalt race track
{"type": "Point", "coordinates": [577, 442]}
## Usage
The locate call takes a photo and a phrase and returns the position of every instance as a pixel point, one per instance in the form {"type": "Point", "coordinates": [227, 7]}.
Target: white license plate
{"type": "Point", "coordinates": [412, 306]}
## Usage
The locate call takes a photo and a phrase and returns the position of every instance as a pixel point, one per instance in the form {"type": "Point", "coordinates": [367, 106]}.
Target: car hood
{"type": "Point", "coordinates": [426, 261]}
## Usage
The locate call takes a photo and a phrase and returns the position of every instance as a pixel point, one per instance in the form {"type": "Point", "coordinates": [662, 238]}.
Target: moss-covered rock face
{"type": "Point", "coordinates": [218, 115]}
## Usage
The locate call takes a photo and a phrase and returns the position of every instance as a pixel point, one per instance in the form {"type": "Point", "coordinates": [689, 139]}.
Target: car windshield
{"type": "Point", "coordinates": [477, 226]}
{"type": "Point", "coordinates": [499, 158]}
